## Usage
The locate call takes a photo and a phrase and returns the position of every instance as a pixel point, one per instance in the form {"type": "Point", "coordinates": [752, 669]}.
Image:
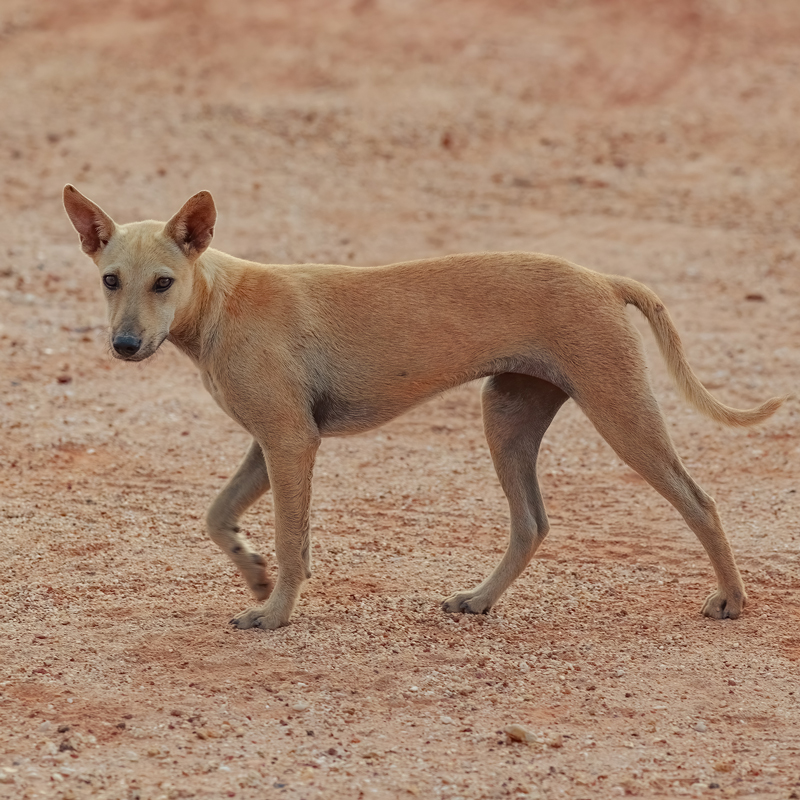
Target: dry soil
{"type": "Point", "coordinates": [651, 139]}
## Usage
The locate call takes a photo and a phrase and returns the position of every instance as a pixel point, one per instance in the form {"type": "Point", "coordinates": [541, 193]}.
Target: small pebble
{"type": "Point", "coordinates": [301, 706]}
{"type": "Point", "coordinates": [518, 733]}
{"type": "Point", "coordinates": [700, 726]}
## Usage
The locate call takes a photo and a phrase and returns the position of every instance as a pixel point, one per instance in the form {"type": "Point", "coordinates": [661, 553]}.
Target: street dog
{"type": "Point", "coordinates": [297, 353]}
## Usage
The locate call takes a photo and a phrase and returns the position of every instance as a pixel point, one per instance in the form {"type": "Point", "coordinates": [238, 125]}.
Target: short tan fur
{"type": "Point", "coordinates": [296, 353]}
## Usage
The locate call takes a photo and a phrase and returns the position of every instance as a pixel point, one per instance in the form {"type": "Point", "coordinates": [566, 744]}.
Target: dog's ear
{"type": "Point", "coordinates": [94, 226]}
{"type": "Point", "coordinates": [193, 226]}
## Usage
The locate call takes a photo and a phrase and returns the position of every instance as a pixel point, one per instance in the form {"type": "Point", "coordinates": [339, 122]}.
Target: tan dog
{"type": "Point", "coordinates": [295, 353]}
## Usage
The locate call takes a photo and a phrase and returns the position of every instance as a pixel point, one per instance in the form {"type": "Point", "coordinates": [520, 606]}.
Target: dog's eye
{"type": "Point", "coordinates": [111, 281]}
{"type": "Point", "coordinates": [162, 284]}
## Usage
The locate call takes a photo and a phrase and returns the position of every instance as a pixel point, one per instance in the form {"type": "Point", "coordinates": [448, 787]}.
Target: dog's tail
{"type": "Point", "coordinates": [669, 343]}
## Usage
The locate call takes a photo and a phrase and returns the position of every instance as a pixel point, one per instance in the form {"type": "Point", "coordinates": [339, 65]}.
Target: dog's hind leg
{"type": "Point", "coordinates": [517, 410]}
{"type": "Point", "coordinates": [621, 405]}
{"type": "Point", "coordinates": [245, 487]}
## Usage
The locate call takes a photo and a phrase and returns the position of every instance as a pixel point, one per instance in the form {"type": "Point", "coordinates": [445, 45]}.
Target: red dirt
{"type": "Point", "coordinates": [656, 140]}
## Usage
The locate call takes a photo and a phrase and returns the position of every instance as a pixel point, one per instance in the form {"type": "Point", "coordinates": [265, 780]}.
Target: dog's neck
{"type": "Point", "coordinates": [195, 323]}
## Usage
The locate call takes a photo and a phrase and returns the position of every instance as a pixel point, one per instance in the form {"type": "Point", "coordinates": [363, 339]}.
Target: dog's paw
{"type": "Point", "coordinates": [255, 574]}
{"type": "Point", "coordinates": [467, 603]}
{"type": "Point", "coordinates": [722, 605]}
{"type": "Point", "coordinates": [259, 617]}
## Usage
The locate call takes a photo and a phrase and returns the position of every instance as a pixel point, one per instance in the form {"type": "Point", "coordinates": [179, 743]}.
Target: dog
{"type": "Point", "coordinates": [296, 353]}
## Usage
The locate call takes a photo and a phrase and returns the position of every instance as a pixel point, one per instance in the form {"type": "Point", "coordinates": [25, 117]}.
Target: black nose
{"type": "Point", "coordinates": [127, 345]}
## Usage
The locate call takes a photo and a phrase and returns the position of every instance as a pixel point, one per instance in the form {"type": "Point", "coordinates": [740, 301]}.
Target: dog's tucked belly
{"type": "Point", "coordinates": [338, 415]}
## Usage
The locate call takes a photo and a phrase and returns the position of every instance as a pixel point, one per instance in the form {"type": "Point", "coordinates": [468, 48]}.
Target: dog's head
{"type": "Point", "coordinates": [147, 268]}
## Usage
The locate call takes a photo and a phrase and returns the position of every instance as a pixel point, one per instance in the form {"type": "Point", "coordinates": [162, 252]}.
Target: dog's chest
{"type": "Point", "coordinates": [213, 389]}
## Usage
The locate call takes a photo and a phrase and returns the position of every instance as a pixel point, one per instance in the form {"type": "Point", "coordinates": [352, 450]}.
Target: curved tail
{"type": "Point", "coordinates": [669, 343]}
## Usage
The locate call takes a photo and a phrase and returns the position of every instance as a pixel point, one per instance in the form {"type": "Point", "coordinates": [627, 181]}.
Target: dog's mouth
{"type": "Point", "coordinates": [140, 356]}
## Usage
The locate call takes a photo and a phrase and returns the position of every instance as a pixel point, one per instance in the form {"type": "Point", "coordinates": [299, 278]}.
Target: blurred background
{"type": "Point", "coordinates": [364, 131]}
{"type": "Point", "coordinates": [647, 138]}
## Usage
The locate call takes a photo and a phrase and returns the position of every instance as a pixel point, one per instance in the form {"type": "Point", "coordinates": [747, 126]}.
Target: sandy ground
{"type": "Point", "coordinates": [656, 140]}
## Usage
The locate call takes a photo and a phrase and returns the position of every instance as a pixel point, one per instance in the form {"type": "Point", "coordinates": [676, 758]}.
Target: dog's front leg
{"type": "Point", "coordinates": [290, 469]}
{"type": "Point", "coordinates": [248, 484]}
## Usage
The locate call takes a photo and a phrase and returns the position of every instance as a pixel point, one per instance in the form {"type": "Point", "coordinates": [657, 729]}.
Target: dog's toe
{"type": "Point", "coordinates": [722, 605]}
{"type": "Point", "coordinates": [467, 603]}
{"type": "Point", "coordinates": [258, 617]}
{"type": "Point", "coordinates": [247, 619]}
{"type": "Point", "coordinates": [476, 606]}
{"type": "Point", "coordinates": [453, 605]}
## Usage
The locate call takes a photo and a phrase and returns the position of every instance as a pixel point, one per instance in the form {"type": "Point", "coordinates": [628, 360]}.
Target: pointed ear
{"type": "Point", "coordinates": [193, 226]}
{"type": "Point", "coordinates": [92, 223]}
